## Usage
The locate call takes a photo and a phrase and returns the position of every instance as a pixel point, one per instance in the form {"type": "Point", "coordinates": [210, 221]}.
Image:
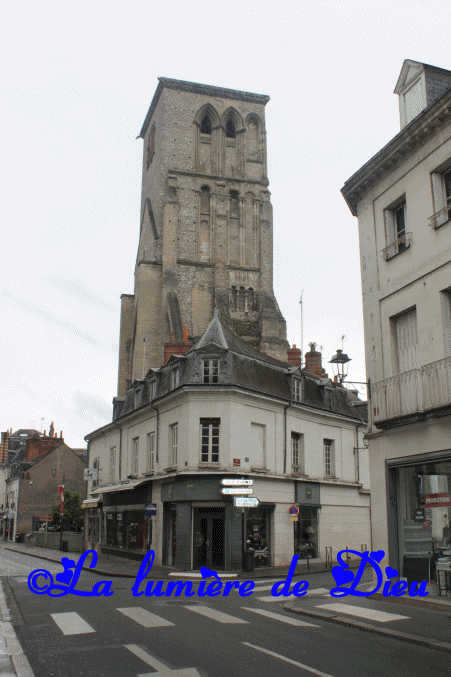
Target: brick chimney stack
{"type": "Point", "coordinates": [294, 356]}
{"type": "Point", "coordinates": [4, 446]}
{"type": "Point", "coordinates": [38, 446]}
{"type": "Point", "coordinates": [173, 348]}
{"type": "Point", "coordinates": [313, 362]}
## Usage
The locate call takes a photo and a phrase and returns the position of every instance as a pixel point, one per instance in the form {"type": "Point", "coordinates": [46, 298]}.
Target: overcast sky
{"type": "Point", "coordinates": [78, 83]}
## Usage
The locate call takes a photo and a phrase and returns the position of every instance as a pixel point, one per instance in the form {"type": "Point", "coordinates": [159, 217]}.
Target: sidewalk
{"type": "Point", "coordinates": [117, 567]}
{"type": "Point", "coordinates": [407, 619]}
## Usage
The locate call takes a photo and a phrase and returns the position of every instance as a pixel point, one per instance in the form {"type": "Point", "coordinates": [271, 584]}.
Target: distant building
{"type": "Point", "coordinates": [402, 198]}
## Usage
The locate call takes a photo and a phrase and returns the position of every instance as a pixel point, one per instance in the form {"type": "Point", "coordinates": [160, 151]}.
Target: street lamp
{"type": "Point", "coordinates": [340, 359]}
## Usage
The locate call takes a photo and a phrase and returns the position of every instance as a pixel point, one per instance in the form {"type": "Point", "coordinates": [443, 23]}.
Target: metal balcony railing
{"type": "Point", "coordinates": [440, 217]}
{"type": "Point", "coordinates": [413, 391]}
{"type": "Point", "coordinates": [397, 246]}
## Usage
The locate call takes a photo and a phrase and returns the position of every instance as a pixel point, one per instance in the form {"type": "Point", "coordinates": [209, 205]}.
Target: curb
{"type": "Point", "coordinates": [8, 637]}
{"type": "Point", "coordinates": [367, 627]}
{"type": "Point", "coordinates": [433, 605]}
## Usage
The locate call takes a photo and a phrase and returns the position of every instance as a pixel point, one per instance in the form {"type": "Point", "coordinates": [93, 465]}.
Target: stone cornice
{"type": "Point", "coordinates": [416, 133]}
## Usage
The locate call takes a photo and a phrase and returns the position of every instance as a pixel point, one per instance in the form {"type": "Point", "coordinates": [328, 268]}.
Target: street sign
{"type": "Point", "coordinates": [237, 490]}
{"type": "Point", "coordinates": [151, 509]}
{"type": "Point", "coordinates": [294, 510]}
{"type": "Point", "coordinates": [245, 502]}
{"type": "Point", "coordinates": [91, 474]}
{"type": "Point", "coordinates": [237, 483]}
{"type": "Point", "coordinates": [294, 519]}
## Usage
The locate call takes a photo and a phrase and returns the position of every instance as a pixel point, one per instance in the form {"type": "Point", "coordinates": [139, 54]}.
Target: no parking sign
{"type": "Point", "coordinates": [294, 510]}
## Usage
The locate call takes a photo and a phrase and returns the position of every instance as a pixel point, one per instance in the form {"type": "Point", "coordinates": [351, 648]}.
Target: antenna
{"type": "Point", "coordinates": [144, 354]}
{"type": "Point", "coordinates": [342, 342]}
{"type": "Point", "coordinates": [302, 331]}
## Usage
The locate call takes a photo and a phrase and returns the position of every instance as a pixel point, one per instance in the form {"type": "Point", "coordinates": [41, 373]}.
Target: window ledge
{"type": "Point", "coordinates": [440, 218]}
{"type": "Point", "coordinates": [132, 477]}
{"type": "Point", "coordinates": [210, 465]}
{"type": "Point", "coordinates": [255, 469]}
{"type": "Point", "coordinates": [170, 469]}
{"type": "Point", "coordinates": [150, 472]}
{"type": "Point", "coordinates": [397, 247]}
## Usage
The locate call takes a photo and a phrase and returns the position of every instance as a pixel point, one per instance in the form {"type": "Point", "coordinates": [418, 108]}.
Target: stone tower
{"type": "Point", "coordinates": [205, 228]}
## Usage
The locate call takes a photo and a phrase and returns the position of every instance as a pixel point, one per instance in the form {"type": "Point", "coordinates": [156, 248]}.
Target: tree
{"type": "Point", "coordinates": [72, 514]}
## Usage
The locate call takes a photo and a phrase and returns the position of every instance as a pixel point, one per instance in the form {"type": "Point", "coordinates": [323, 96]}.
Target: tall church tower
{"type": "Point", "coordinates": [206, 227]}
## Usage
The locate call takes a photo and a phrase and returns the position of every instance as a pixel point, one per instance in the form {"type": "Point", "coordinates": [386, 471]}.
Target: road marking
{"type": "Point", "coordinates": [144, 617]}
{"type": "Point", "coordinates": [275, 599]}
{"type": "Point", "coordinates": [279, 617]}
{"type": "Point", "coordinates": [70, 623]}
{"type": "Point", "coordinates": [162, 670]}
{"type": "Point", "coordinates": [215, 615]}
{"type": "Point", "coordinates": [288, 660]}
{"type": "Point", "coordinates": [370, 614]}
{"type": "Point", "coordinates": [192, 574]}
{"type": "Point", "coordinates": [315, 591]}
{"type": "Point", "coordinates": [318, 591]}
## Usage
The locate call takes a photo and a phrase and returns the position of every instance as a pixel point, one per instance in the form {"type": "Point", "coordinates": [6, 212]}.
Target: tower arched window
{"type": "Point", "coordinates": [230, 129]}
{"type": "Point", "coordinates": [233, 299]}
{"type": "Point", "coordinates": [205, 125]}
{"type": "Point", "coordinates": [241, 299]}
{"type": "Point", "coordinates": [250, 299]}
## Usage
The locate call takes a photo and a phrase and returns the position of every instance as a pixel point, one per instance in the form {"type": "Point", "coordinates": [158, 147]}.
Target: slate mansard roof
{"type": "Point", "coordinates": [242, 367]}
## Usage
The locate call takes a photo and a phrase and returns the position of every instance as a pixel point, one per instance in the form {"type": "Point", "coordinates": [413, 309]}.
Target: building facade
{"type": "Point", "coordinates": [226, 411]}
{"type": "Point", "coordinates": [402, 199]}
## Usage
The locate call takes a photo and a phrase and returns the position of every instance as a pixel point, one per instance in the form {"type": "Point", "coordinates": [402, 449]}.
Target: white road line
{"type": "Point", "coordinates": [70, 623]}
{"type": "Point", "coordinates": [288, 660]}
{"type": "Point", "coordinates": [214, 614]}
{"type": "Point", "coordinates": [144, 617]}
{"type": "Point", "coordinates": [275, 599]}
{"type": "Point", "coordinates": [279, 617]}
{"type": "Point", "coordinates": [191, 574]}
{"type": "Point", "coordinates": [315, 591]}
{"type": "Point", "coordinates": [162, 670]}
{"type": "Point", "coordinates": [318, 591]}
{"type": "Point", "coordinates": [370, 614]}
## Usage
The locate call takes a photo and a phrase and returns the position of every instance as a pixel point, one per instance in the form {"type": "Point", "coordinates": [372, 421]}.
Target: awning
{"type": "Point", "coordinates": [90, 503]}
{"type": "Point", "coordinates": [119, 487]}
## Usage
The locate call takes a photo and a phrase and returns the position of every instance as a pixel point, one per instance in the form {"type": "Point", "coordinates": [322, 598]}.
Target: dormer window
{"type": "Point", "coordinates": [137, 398]}
{"type": "Point", "coordinates": [152, 390]}
{"type": "Point", "coordinates": [210, 371]}
{"type": "Point", "coordinates": [328, 398]}
{"type": "Point", "coordinates": [175, 377]}
{"type": "Point", "coordinates": [297, 389]}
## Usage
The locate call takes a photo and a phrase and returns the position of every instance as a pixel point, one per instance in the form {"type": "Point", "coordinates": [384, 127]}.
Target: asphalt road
{"type": "Point", "coordinates": [233, 636]}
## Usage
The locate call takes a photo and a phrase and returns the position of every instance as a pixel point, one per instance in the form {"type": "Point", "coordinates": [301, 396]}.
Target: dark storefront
{"type": "Point", "coordinates": [306, 529]}
{"type": "Point", "coordinates": [125, 530]}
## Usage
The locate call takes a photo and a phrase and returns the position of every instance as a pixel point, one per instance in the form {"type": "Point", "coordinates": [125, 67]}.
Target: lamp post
{"type": "Point", "coordinates": [340, 359]}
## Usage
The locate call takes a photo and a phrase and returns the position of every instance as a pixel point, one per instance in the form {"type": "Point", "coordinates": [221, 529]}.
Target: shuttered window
{"type": "Point", "coordinates": [407, 341]}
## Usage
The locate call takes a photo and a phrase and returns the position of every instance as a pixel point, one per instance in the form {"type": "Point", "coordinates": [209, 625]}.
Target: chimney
{"type": "Point", "coordinates": [294, 356]}
{"type": "Point", "coordinates": [176, 348]}
{"type": "Point", "coordinates": [4, 446]}
{"type": "Point", "coordinates": [313, 362]}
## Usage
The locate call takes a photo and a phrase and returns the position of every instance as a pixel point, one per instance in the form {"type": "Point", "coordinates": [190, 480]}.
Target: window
{"type": "Point", "coordinates": [441, 188]}
{"type": "Point", "coordinates": [175, 377]}
{"type": "Point", "coordinates": [297, 389]}
{"type": "Point", "coordinates": [209, 440]}
{"type": "Point", "coordinates": [211, 371]}
{"type": "Point", "coordinates": [445, 299]}
{"type": "Point", "coordinates": [135, 455]}
{"type": "Point", "coordinates": [297, 453]}
{"type": "Point", "coordinates": [205, 125]}
{"type": "Point", "coordinates": [150, 452]}
{"type": "Point", "coordinates": [173, 443]}
{"type": "Point", "coordinates": [398, 240]}
{"type": "Point", "coordinates": [257, 446]}
{"type": "Point", "coordinates": [329, 464]}
{"type": "Point", "coordinates": [230, 129]}
{"type": "Point", "coordinates": [406, 337]}
{"type": "Point", "coordinates": [112, 464]}
{"type": "Point", "coordinates": [95, 466]}
{"type": "Point", "coordinates": [414, 101]}
{"type": "Point", "coordinates": [328, 398]}
{"type": "Point", "coordinates": [152, 390]}
{"type": "Point", "coordinates": [137, 398]}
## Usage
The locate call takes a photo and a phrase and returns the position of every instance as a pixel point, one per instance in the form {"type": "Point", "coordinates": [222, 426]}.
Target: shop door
{"type": "Point", "coordinates": [208, 538]}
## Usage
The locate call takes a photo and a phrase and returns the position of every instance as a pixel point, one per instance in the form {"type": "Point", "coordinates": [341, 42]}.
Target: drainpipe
{"type": "Point", "coordinates": [157, 445]}
{"type": "Point", "coordinates": [357, 450]}
{"type": "Point", "coordinates": [120, 450]}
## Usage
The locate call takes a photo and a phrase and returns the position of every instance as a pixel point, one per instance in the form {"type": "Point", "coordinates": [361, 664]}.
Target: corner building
{"type": "Point", "coordinates": [206, 227]}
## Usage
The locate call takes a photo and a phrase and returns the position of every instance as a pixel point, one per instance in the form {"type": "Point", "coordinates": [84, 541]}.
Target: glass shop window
{"type": "Point", "coordinates": [258, 535]}
{"type": "Point", "coordinates": [306, 533]}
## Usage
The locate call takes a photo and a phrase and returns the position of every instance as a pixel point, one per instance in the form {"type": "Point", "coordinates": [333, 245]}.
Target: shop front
{"type": "Point", "coordinates": [419, 489]}
{"type": "Point", "coordinates": [306, 528]}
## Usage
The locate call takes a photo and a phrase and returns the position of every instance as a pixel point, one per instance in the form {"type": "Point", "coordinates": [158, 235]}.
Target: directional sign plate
{"type": "Point", "coordinates": [91, 474]}
{"type": "Point", "coordinates": [237, 483]}
{"type": "Point", "coordinates": [245, 502]}
{"type": "Point", "coordinates": [237, 490]}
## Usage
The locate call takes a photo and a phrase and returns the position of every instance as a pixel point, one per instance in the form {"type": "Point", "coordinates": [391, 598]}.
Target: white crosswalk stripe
{"type": "Point", "coordinates": [144, 617]}
{"type": "Point", "coordinates": [290, 598]}
{"type": "Point", "coordinates": [215, 615]}
{"type": "Point", "coordinates": [70, 623]}
{"type": "Point", "coordinates": [279, 617]}
{"type": "Point", "coordinates": [361, 612]}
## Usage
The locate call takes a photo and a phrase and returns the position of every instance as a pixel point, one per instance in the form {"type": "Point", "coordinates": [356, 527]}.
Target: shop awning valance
{"type": "Point", "coordinates": [118, 487]}
{"type": "Point", "coordinates": [90, 503]}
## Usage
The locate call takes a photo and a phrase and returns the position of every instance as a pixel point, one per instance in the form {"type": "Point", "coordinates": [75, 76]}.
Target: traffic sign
{"type": "Point", "coordinates": [91, 474]}
{"type": "Point", "coordinates": [245, 502]}
{"type": "Point", "coordinates": [294, 510]}
{"type": "Point", "coordinates": [237, 490]}
{"type": "Point", "coordinates": [151, 509]}
{"type": "Point", "coordinates": [237, 483]}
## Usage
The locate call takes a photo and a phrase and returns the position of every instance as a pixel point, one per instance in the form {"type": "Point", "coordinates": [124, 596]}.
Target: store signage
{"type": "Point", "coordinates": [419, 514]}
{"type": "Point", "coordinates": [294, 510]}
{"type": "Point", "coordinates": [237, 483]}
{"type": "Point", "coordinates": [245, 502]}
{"type": "Point", "coordinates": [91, 474]}
{"type": "Point", "coordinates": [236, 462]}
{"type": "Point", "coordinates": [437, 500]}
{"type": "Point", "coordinates": [237, 490]}
{"type": "Point", "coordinates": [151, 509]}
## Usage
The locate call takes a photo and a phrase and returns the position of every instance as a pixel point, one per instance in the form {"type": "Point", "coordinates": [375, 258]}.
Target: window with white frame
{"type": "Point", "coordinates": [257, 446]}
{"type": "Point", "coordinates": [209, 450]}
{"type": "Point", "coordinates": [173, 443]}
{"type": "Point", "coordinates": [112, 464]}
{"type": "Point", "coordinates": [397, 237]}
{"type": "Point", "coordinates": [150, 465]}
{"type": "Point", "coordinates": [210, 371]}
{"type": "Point", "coordinates": [328, 398]}
{"type": "Point", "coordinates": [135, 455]}
{"type": "Point", "coordinates": [152, 390]}
{"type": "Point", "coordinates": [406, 341]}
{"type": "Point", "coordinates": [297, 389]}
{"type": "Point", "coordinates": [175, 377]}
{"type": "Point", "coordinates": [329, 460]}
{"type": "Point", "coordinates": [441, 189]}
{"type": "Point", "coordinates": [297, 453]}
